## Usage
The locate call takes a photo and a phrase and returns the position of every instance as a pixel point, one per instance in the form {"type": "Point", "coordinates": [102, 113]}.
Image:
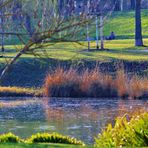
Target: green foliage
{"type": "Point", "coordinates": [125, 133]}
{"type": "Point", "coordinates": [53, 138]}
{"type": "Point", "coordinates": [9, 138]}
{"type": "Point", "coordinates": [40, 138]}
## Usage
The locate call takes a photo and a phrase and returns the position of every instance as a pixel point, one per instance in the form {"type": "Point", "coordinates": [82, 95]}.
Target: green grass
{"type": "Point", "coordinates": [118, 50]}
{"type": "Point", "coordinates": [122, 23]}
{"type": "Point", "coordinates": [53, 138]}
{"type": "Point", "coordinates": [40, 146]}
{"type": "Point", "coordinates": [40, 140]}
{"type": "Point", "coordinates": [19, 91]}
{"type": "Point", "coordinates": [30, 71]}
{"type": "Point", "coordinates": [126, 132]}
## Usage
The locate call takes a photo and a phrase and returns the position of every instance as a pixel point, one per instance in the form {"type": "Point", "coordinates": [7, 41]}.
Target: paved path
{"type": "Point", "coordinates": [139, 50]}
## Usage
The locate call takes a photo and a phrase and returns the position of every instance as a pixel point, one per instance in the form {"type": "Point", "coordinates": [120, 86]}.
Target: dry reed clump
{"type": "Point", "coordinates": [61, 83]}
{"type": "Point", "coordinates": [93, 83]}
{"type": "Point", "coordinates": [121, 83]}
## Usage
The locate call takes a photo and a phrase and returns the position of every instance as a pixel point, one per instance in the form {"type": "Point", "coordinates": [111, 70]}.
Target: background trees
{"type": "Point", "coordinates": [45, 26]}
{"type": "Point", "coordinates": [53, 21]}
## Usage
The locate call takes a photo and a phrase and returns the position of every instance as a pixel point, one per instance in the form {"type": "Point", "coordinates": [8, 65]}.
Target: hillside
{"type": "Point", "coordinates": [29, 71]}
{"type": "Point", "coordinates": [122, 23]}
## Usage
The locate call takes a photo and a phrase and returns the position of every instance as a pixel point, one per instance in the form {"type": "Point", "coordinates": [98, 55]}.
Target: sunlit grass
{"type": "Point", "coordinates": [117, 49]}
{"type": "Point", "coordinates": [19, 91]}
{"type": "Point", "coordinates": [48, 138]}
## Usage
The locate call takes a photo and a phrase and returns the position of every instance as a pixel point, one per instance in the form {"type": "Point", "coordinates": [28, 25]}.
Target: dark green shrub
{"type": "Point", "coordinates": [9, 138]}
{"type": "Point", "coordinates": [53, 138]}
{"type": "Point", "coordinates": [125, 133]}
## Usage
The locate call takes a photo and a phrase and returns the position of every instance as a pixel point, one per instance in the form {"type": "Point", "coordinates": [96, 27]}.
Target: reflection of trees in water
{"type": "Point", "coordinates": [83, 120]}
{"type": "Point", "coordinates": [17, 103]}
{"type": "Point", "coordinates": [90, 112]}
{"type": "Point", "coordinates": [53, 114]}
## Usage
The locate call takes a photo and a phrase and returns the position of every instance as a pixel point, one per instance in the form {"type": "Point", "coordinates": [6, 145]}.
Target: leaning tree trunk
{"type": "Point", "coordinates": [2, 29]}
{"type": "Point", "coordinates": [8, 66]}
{"type": "Point", "coordinates": [138, 26]}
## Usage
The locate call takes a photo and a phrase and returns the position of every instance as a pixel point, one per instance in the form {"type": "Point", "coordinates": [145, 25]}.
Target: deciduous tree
{"type": "Point", "coordinates": [138, 24]}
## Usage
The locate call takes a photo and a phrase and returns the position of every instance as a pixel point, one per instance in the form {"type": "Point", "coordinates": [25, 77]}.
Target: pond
{"type": "Point", "coordinates": [80, 118]}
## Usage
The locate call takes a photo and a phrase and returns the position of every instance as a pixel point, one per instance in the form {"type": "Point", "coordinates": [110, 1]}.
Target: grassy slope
{"type": "Point", "coordinates": [30, 73]}
{"type": "Point", "coordinates": [39, 146]}
{"type": "Point", "coordinates": [122, 23]}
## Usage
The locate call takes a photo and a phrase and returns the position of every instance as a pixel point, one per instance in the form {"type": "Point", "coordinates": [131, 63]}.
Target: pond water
{"type": "Point", "coordinates": [81, 118]}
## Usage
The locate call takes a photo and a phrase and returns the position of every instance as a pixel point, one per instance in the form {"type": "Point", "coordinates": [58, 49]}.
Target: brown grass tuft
{"type": "Point", "coordinates": [93, 83]}
{"type": "Point", "coordinates": [121, 83]}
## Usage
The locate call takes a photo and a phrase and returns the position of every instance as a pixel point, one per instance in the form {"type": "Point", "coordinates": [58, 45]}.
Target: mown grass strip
{"type": "Point", "coordinates": [19, 91]}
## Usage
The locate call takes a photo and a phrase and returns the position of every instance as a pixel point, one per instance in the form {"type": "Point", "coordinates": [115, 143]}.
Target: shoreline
{"type": "Point", "coordinates": [39, 94]}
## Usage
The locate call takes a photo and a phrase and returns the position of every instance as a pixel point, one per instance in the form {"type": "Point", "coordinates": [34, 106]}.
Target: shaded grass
{"type": "Point", "coordinates": [31, 73]}
{"type": "Point", "coordinates": [93, 83]}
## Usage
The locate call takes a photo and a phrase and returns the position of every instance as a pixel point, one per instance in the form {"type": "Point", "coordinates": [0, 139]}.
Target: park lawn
{"type": "Point", "coordinates": [117, 50]}
{"type": "Point", "coordinates": [41, 146]}
{"type": "Point", "coordinates": [122, 23]}
{"type": "Point", "coordinates": [29, 71]}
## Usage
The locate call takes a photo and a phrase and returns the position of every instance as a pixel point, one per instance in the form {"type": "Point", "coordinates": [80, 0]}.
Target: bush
{"type": "Point", "coordinates": [40, 138]}
{"type": "Point", "coordinates": [53, 138]}
{"type": "Point", "coordinates": [9, 138]}
{"type": "Point", "coordinates": [125, 133]}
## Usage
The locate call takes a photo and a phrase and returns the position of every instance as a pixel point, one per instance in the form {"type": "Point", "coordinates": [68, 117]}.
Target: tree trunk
{"type": "Point", "coordinates": [101, 32]}
{"type": "Point", "coordinates": [138, 26]}
{"type": "Point", "coordinates": [88, 38]}
{"type": "Point", "coordinates": [117, 4]}
{"type": "Point", "coordinates": [133, 4]}
{"type": "Point", "coordinates": [8, 66]}
{"type": "Point", "coordinates": [2, 28]}
{"type": "Point", "coordinates": [97, 33]}
{"type": "Point", "coordinates": [122, 5]}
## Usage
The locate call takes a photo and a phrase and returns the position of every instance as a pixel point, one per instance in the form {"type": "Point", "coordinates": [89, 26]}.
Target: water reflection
{"type": "Point", "coordinates": [82, 119]}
